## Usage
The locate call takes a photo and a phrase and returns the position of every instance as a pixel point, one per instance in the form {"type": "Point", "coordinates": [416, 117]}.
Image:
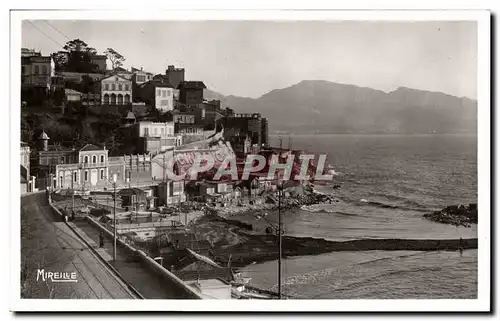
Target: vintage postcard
{"type": "Point", "coordinates": [283, 160]}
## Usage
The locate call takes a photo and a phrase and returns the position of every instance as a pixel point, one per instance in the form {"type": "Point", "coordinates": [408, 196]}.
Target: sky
{"type": "Point", "coordinates": [251, 58]}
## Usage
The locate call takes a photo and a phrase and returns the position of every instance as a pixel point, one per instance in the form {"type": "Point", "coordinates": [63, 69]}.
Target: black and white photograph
{"type": "Point", "coordinates": [301, 156]}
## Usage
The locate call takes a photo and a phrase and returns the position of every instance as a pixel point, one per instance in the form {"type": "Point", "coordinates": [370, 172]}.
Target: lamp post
{"type": "Point", "coordinates": [114, 218]}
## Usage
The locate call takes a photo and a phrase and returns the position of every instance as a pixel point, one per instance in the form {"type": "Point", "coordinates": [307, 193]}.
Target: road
{"type": "Point", "coordinates": [51, 245]}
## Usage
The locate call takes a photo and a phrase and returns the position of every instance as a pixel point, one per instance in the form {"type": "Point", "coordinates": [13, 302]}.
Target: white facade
{"type": "Point", "coordinates": [116, 90]}
{"type": "Point", "coordinates": [164, 98]}
{"type": "Point", "coordinates": [152, 129]}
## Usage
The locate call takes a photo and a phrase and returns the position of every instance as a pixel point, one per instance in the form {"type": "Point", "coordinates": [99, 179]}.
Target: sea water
{"type": "Point", "coordinates": [387, 183]}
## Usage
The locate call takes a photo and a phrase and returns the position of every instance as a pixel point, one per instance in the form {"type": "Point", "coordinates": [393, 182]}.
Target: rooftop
{"type": "Point", "coordinates": [90, 147]}
{"type": "Point", "coordinates": [192, 85]}
{"type": "Point", "coordinates": [71, 92]}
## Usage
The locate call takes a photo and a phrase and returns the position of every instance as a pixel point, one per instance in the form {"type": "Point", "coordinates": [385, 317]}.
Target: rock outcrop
{"type": "Point", "coordinates": [455, 215]}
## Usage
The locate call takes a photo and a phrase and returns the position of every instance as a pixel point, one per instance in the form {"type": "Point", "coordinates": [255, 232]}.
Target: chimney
{"type": "Point", "coordinates": [141, 68]}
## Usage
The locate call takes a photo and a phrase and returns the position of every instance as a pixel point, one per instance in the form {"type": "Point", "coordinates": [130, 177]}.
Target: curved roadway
{"type": "Point", "coordinates": [49, 244]}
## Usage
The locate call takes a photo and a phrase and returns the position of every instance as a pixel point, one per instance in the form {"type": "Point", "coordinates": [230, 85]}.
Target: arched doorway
{"type": "Point", "coordinates": [120, 99]}
{"type": "Point", "coordinates": [113, 99]}
{"type": "Point", "coordinates": [127, 99]}
{"type": "Point", "coordinates": [106, 99]}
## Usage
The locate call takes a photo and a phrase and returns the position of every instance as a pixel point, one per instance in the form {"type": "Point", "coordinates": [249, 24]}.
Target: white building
{"type": "Point", "coordinates": [158, 94]}
{"type": "Point", "coordinates": [153, 129]}
{"type": "Point", "coordinates": [164, 98]}
{"type": "Point", "coordinates": [116, 90]}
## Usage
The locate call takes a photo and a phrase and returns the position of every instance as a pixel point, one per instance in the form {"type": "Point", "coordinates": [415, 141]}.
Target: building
{"type": "Point", "coordinates": [191, 92]}
{"type": "Point", "coordinates": [89, 171]}
{"type": "Point", "coordinates": [241, 144]}
{"type": "Point", "coordinates": [36, 70]}
{"type": "Point", "coordinates": [25, 169]}
{"type": "Point", "coordinates": [25, 52]}
{"type": "Point", "coordinates": [133, 198]}
{"type": "Point", "coordinates": [183, 116]}
{"type": "Point", "coordinates": [264, 133]}
{"type": "Point", "coordinates": [91, 99]}
{"type": "Point", "coordinates": [72, 95]}
{"type": "Point", "coordinates": [245, 125]}
{"type": "Point", "coordinates": [171, 192]}
{"type": "Point", "coordinates": [210, 114]}
{"type": "Point", "coordinates": [100, 62]}
{"type": "Point", "coordinates": [140, 76]}
{"type": "Point", "coordinates": [157, 93]}
{"type": "Point", "coordinates": [51, 155]}
{"type": "Point", "coordinates": [116, 90]}
{"type": "Point", "coordinates": [185, 129]}
{"type": "Point", "coordinates": [175, 75]}
{"type": "Point", "coordinates": [154, 137]}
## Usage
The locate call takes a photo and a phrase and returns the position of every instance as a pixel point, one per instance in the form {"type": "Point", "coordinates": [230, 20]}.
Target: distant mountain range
{"type": "Point", "coordinates": [317, 106]}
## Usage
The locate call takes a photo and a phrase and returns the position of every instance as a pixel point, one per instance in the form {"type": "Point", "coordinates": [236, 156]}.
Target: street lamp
{"type": "Point", "coordinates": [114, 218]}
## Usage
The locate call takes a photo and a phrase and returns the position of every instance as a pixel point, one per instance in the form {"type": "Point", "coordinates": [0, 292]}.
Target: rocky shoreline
{"type": "Point", "coordinates": [455, 215]}
{"type": "Point", "coordinates": [238, 240]}
{"type": "Point", "coordinates": [309, 197]}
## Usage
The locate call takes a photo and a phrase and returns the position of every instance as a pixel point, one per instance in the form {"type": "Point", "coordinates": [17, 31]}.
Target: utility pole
{"type": "Point", "coordinates": [280, 189]}
{"type": "Point", "coordinates": [114, 218]}
{"type": "Point", "coordinates": [73, 192]}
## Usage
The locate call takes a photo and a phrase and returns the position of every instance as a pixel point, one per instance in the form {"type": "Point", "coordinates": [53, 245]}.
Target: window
{"type": "Point", "coordinates": [23, 70]}
{"type": "Point", "coordinates": [126, 87]}
{"type": "Point", "coordinates": [74, 176]}
{"type": "Point", "coordinates": [120, 87]}
{"type": "Point", "coordinates": [44, 70]}
{"type": "Point", "coordinates": [163, 131]}
{"type": "Point", "coordinates": [113, 87]}
{"type": "Point", "coordinates": [169, 92]}
{"type": "Point", "coordinates": [86, 176]}
{"type": "Point", "coordinates": [102, 173]}
{"type": "Point", "coordinates": [36, 70]}
{"type": "Point", "coordinates": [158, 92]}
{"type": "Point", "coordinates": [94, 159]}
{"type": "Point", "coordinates": [86, 159]}
{"type": "Point", "coordinates": [163, 93]}
{"type": "Point", "coordinates": [177, 188]}
{"type": "Point", "coordinates": [62, 160]}
{"type": "Point", "coordinates": [106, 86]}
{"type": "Point", "coordinates": [102, 158]}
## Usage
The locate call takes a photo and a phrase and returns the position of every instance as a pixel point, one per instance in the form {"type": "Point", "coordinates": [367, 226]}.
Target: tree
{"type": "Point", "coordinates": [79, 56]}
{"type": "Point", "coordinates": [60, 60]}
{"type": "Point", "coordinates": [78, 45]}
{"type": "Point", "coordinates": [116, 58]}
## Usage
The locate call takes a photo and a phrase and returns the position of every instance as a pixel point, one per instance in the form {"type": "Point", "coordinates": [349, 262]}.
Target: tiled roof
{"type": "Point", "coordinates": [192, 85]}
{"type": "Point", "coordinates": [131, 191]}
{"type": "Point", "coordinates": [90, 147]}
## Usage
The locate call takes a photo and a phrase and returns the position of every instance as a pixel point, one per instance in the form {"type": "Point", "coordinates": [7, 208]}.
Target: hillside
{"type": "Point", "coordinates": [326, 107]}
